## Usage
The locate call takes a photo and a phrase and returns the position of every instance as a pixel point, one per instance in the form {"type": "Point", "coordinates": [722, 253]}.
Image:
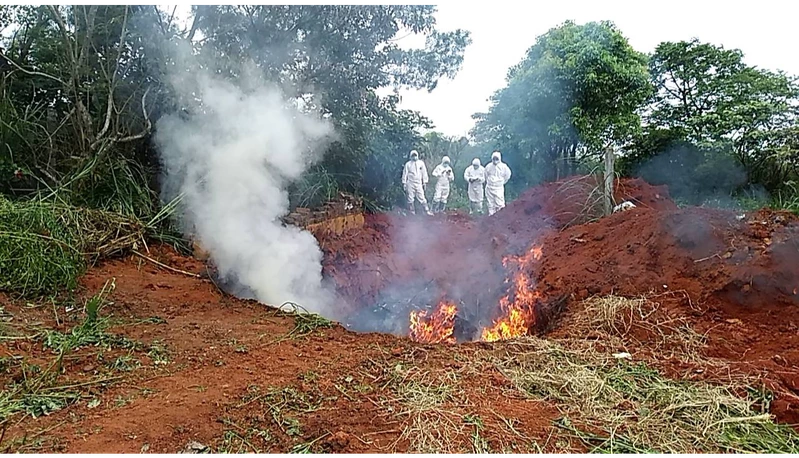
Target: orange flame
{"type": "Point", "coordinates": [520, 313]}
{"type": "Point", "coordinates": [437, 328]}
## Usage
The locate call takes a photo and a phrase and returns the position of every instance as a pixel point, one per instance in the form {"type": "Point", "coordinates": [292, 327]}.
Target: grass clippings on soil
{"type": "Point", "coordinates": [623, 406]}
{"type": "Point", "coordinates": [622, 321]}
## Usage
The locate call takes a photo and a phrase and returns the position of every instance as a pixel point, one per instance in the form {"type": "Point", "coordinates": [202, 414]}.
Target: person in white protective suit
{"type": "Point", "coordinates": [444, 175]}
{"type": "Point", "coordinates": [475, 176]}
{"type": "Point", "coordinates": [497, 174]}
{"type": "Point", "coordinates": [414, 181]}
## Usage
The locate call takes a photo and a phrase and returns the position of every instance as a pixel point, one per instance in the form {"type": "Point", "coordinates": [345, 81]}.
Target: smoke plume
{"type": "Point", "coordinates": [232, 151]}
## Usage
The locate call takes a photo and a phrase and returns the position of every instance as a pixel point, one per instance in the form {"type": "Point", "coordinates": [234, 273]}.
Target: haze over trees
{"type": "Point", "coordinates": [81, 88]}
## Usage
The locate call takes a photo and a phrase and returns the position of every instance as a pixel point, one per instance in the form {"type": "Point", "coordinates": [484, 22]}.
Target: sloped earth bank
{"type": "Point", "coordinates": [198, 368]}
{"type": "Point", "coordinates": [733, 276]}
{"type": "Point", "coordinates": [395, 265]}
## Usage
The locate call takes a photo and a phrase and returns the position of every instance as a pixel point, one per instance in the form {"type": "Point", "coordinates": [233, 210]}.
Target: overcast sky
{"type": "Point", "coordinates": [502, 31]}
{"type": "Point", "coordinates": [765, 30]}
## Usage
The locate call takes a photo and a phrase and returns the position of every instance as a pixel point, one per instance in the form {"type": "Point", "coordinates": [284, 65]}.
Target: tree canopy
{"type": "Point", "coordinates": [81, 88]}
{"type": "Point", "coordinates": [577, 90]}
{"type": "Point", "coordinates": [82, 85]}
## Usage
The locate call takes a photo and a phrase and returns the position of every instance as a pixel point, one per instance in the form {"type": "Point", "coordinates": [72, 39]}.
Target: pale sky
{"type": "Point", "coordinates": [503, 30]}
{"type": "Point", "coordinates": [765, 30]}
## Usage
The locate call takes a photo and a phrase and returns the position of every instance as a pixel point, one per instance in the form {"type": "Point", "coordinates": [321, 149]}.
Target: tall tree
{"type": "Point", "coordinates": [336, 57]}
{"type": "Point", "coordinates": [709, 96]}
{"type": "Point", "coordinates": [577, 90]}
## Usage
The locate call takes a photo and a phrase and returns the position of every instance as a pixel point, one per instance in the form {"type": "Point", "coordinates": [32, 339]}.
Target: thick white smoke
{"type": "Point", "coordinates": [232, 154]}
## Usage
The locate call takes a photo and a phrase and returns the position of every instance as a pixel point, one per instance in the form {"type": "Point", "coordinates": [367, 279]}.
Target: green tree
{"type": "Point", "coordinates": [80, 87]}
{"type": "Point", "coordinates": [577, 90]}
{"type": "Point", "coordinates": [336, 57]}
{"type": "Point", "coordinates": [708, 96]}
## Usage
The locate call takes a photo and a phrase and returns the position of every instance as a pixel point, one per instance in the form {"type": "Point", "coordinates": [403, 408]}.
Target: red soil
{"type": "Point", "coordinates": [734, 280]}
{"type": "Point", "coordinates": [737, 275]}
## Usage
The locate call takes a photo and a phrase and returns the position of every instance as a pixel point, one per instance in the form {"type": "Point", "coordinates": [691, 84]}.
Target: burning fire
{"type": "Point", "coordinates": [518, 308]}
{"type": "Point", "coordinates": [437, 328]}
{"type": "Point", "coordinates": [519, 313]}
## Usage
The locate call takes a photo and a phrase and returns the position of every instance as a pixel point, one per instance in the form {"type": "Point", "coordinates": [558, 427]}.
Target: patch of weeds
{"type": "Point", "coordinates": [284, 405]}
{"type": "Point", "coordinates": [305, 323]}
{"type": "Point", "coordinates": [6, 362]}
{"type": "Point", "coordinates": [151, 320]}
{"type": "Point", "coordinates": [124, 363]}
{"type": "Point", "coordinates": [158, 353]}
{"type": "Point", "coordinates": [348, 387]}
{"type": "Point", "coordinates": [241, 349]}
{"type": "Point", "coordinates": [308, 447]}
{"type": "Point", "coordinates": [122, 401]}
{"type": "Point", "coordinates": [44, 246]}
{"type": "Point", "coordinates": [37, 393]}
{"type": "Point", "coordinates": [309, 376]}
{"type": "Point", "coordinates": [633, 408]}
{"type": "Point", "coordinates": [479, 444]}
{"type": "Point", "coordinates": [424, 398]}
{"type": "Point", "coordinates": [243, 440]}
{"type": "Point", "coordinates": [91, 332]}
{"type": "Point", "coordinates": [621, 319]}
{"type": "Point", "coordinates": [37, 405]}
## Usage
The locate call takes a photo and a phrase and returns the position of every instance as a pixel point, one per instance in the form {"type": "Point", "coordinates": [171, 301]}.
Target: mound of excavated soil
{"type": "Point", "coordinates": [734, 276]}
{"type": "Point", "coordinates": [396, 264]}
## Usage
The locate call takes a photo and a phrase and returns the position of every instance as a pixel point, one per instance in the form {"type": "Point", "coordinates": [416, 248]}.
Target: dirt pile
{"type": "Point", "coordinates": [733, 277]}
{"type": "Point", "coordinates": [394, 265]}
{"type": "Point", "coordinates": [739, 263]}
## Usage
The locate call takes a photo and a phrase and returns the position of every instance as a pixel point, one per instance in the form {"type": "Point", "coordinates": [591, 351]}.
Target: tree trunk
{"type": "Point", "coordinates": [609, 175]}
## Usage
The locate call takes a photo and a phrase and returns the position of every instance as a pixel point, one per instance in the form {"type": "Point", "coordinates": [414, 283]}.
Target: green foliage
{"type": "Point", "coordinates": [577, 90]}
{"type": "Point", "coordinates": [81, 87]}
{"type": "Point", "coordinates": [75, 81]}
{"type": "Point", "coordinates": [37, 253]}
{"type": "Point", "coordinates": [708, 98]}
{"type": "Point", "coordinates": [44, 246]}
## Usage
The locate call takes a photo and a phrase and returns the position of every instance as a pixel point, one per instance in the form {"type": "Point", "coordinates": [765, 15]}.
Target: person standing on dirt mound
{"type": "Point", "coordinates": [475, 175]}
{"type": "Point", "coordinates": [497, 174]}
{"type": "Point", "coordinates": [414, 181]}
{"type": "Point", "coordinates": [443, 172]}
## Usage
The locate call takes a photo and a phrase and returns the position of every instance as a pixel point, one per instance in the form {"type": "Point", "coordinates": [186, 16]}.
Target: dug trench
{"type": "Point", "coordinates": [731, 277]}
{"type": "Point", "coordinates": [701, 295]}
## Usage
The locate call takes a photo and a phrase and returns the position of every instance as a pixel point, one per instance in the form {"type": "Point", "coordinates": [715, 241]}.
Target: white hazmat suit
{"type": "Point", "coordinates": [414, 181]}
{"type": "Point", "coordinates": [444, 175]}
{"type": "Point", "coordinates": [497, 174]}
{"type": "Point", "coordinates": [475, 176]}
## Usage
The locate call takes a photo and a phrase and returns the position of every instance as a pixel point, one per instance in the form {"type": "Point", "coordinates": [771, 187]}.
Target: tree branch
{"type": "Point", "coordinates": [112, 84]}
{"type": "Point", "coordinates": [148, 126]}
{"type": "Point", "coordinates": [195, 23]}
{"type": "Point", "coordinates": [29, 72]}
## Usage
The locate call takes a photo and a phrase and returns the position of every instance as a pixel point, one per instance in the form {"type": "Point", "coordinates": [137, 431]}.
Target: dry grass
{"type": "Point", "coordinates": [627, 321]}
{"type": "Point", "coordinates": [424, 405]}
{"type": "Point", "coordinates": [630, 407]}
{"type": "Point", "coordinates": [588, 188]}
